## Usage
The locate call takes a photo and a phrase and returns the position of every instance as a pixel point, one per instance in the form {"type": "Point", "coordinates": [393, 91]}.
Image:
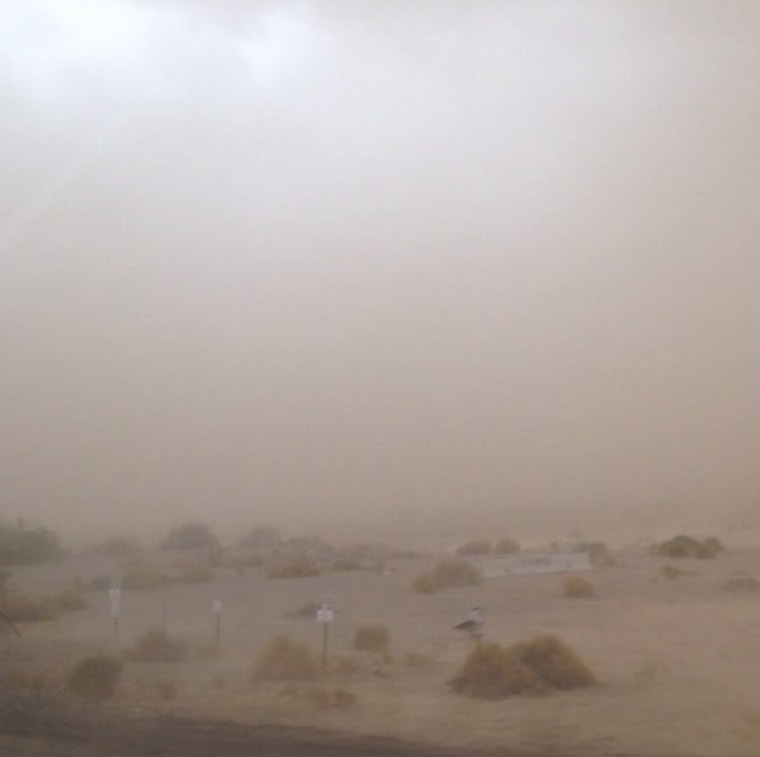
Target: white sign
{"type": "Point", "coordinates": [325, 614]}
{"type": "Point", "coordinates": [217, 605]}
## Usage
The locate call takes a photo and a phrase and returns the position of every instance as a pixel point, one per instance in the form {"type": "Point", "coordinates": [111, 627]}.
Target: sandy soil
{"type": "Point", "coordinates": [674, 658]}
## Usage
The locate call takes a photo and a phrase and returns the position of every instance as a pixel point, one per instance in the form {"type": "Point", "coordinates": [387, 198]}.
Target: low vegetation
{"type": "Point", "coordinates": [143, 576]}
{"type": "Point", "coordinates": [448, 574]}
{"type": "Point", "coordinates": [536, 667]}
{"type": "Point", "coordinates": [156, 645]}
{"type": "Point", "coordinates": [577, 587]}
{"type": "Point", "coordinates": [375, 639]}
{"type": "Point", "coordinates": [22, 544]}
{"type": "Point", "coordinates": [689, 547]}
{"type": "Point", "coordinates": [293, 565]}
{"type": "Point", "coordinates": [285, 659]}
{"type": "Point", "coordinates": [95, 678]}
{"type": "Point", "coordinates": [598, 553]}
{"type": "Point", "coordinates": [193, 535]}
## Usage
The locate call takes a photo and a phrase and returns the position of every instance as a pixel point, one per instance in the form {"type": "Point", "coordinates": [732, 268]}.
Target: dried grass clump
{"type": "Point", "coordinates": [284, 659]}
{"type": "Point", "coordinates": [375, 639]}
{"type": "Point", "coordinates": [71, 599]}
{"type": "Point", "coordinates": [448, 574]}
{"type": "Point", "coordinates": [576, 587]}
{"type": "Point", "coordinates": [156, 645]}
{"type": "Point", "coordinates": [506, 546]}
{"type": "Point", "coordinates": [95, 678]}
{"type": "Point", "coordinates": [337, 698]}
{"type": "Point", "coordinates": [294, 565]}
{"type": "Point", "coordinates": [24, 608]}
{"type": "Point", "coordinates": [689, 547]}
{"type": "Point", "coordinates": [527, 668]}
{"type": "Point", "coordinates": [194, 574]}
{"type": "Point", "coordinates": [598, 553]}
{"type": "Point", "coordinates": [143, 576]}
{"type": "Point", "coordinates": [475, 548]}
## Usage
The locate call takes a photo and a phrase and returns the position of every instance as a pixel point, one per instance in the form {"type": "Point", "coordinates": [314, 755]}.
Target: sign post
{"type": "Point", "coordinates": [325, 616]}
{"type": "Point", "coordinates": [115, 595]}
{"type": "Point", "coordinates": [217, 607]}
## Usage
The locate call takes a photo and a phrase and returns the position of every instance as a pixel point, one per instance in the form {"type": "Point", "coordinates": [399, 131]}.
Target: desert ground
{"type": "Point", "coordinates": [674, 657]}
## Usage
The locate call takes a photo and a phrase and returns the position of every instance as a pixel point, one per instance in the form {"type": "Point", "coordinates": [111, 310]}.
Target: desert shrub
{"type": "Point", "coordinates": [506, 546]}
{"type": "Point", "coordinates": [284, 659]}
{"type": "Point", "coordinates": [575, 587]}
{"type": "Point", "coordinates": [294, 565]}
{"type": "Point", "coordinates": [98, 583]}
{"type": "Point", "coordinates": [70, 599]}
{"type": "Point", "coordinates": [714, 543]}
{"type": "Point", "coordinates": [143, 576]}
{"type": "Point", "coordinates": [546, 663]}
{"type": "Point", "coordinates": [116, 546]}
{"type": "Point", "coordinates": [191, 536]}
{"type": "Point", "coordinates": [194, 574]}
{"type": "Point", "coordinates": [344, 665]}
{"type": "Point", "coordinates": [24, 608]}
{"type": "Point", "coordinates": [375, 639]}
{"type": "Point", "coordinates": [598, 553]}
{"type": "Point", "coordinates": [425, 583]}
{"type": "Point", "coordinates": [155, 645]}
{"type": "Point", "coordinates": [22, 544]}
{"type": "Point", "coordinates": [306, 610]}
{"type": "Point", "coordinates": [475, 548]}
{"type": "Point", "coordinates": [671, 572]}
{"type": "Point", "coordinates": [261, 537]}
{"type": "Point", "coordinates": [418, 660]}
{"type": "Point", "coordinates": [688, 547]}
{"type": "Point", "coordinates": [95, 678]}
{"type": "Point", "coordinates": [448, 574]}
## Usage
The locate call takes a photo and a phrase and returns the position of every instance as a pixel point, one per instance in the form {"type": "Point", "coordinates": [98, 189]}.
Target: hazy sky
{"type": "Point", "coordinates": [268, 259]}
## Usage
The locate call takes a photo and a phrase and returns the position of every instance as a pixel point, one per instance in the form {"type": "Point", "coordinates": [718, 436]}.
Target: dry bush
{"type": "Point", "coordinates": [95, 678]}
{"type": "Point", "coordinates": [293, 565]}
{"type": "Point", "coordinates": [689, 547]}
{"type": "Point", "coordinates": [425, 583]}
{"type": "Point", "coordinates": [536, 667]}
{"type": "Point", "coordinates": [448, 574]}
{"type": "Point", "coordinates": [575, 587]}
{"type": "Point", "coordinates": [671, 572]}
{"type": "Point", "coordinates": [164, 689]}
{"type": "Point", "coordinates": [506, 546]}
{"type": "Point", "coordinates": [284, 659]}
{"type": "Point", "coordinates": [156, 645]}
{"type": "Point", "coordinates": [418, 660]}
{"type": "Point", "coordinates": [344, 665]}
{"type": "Point", "coordinates": [25, 681]}
{"type": "Point", "coordinates": [143, 576]}
{"type": "Point", "coordinates": [70, 599]}
{"type": "Point", "coordinates": [326, 698]}
{"type": "Point", "coordinates": [375, 639]}
{"type": "Point", "coordinates": [598, 553]}
{"type": "Point", "coordinates": [23, 608]}
{"type": "Point", "coordinates": [306, 610]}
{"type": "Point", "coordinates": [194, 574]}
{"type": "Point", "coordinates": [475, 548]}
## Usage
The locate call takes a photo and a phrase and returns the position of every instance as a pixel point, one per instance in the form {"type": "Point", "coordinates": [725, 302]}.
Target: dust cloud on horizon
{"type": "Point", "coordinates": [395, 267]}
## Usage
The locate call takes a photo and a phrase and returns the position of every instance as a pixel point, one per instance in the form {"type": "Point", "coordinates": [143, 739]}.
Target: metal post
{"type": "Point", "coordinates": [217, 605]}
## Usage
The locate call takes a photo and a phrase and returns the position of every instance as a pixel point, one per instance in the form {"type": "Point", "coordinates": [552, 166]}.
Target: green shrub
{"type": "Point", "coordinates": [546, 663]}
{"type": "Point", "coordinates": [95, 678]}
{"type": "Point", "coordinates": [575, 587]}
{"type": "Point", "coordinates": [448, 574]}
{"type": "Point", "coordinates": [284, 659]}
{"type": "Point", "coordinates": [156, 645]}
